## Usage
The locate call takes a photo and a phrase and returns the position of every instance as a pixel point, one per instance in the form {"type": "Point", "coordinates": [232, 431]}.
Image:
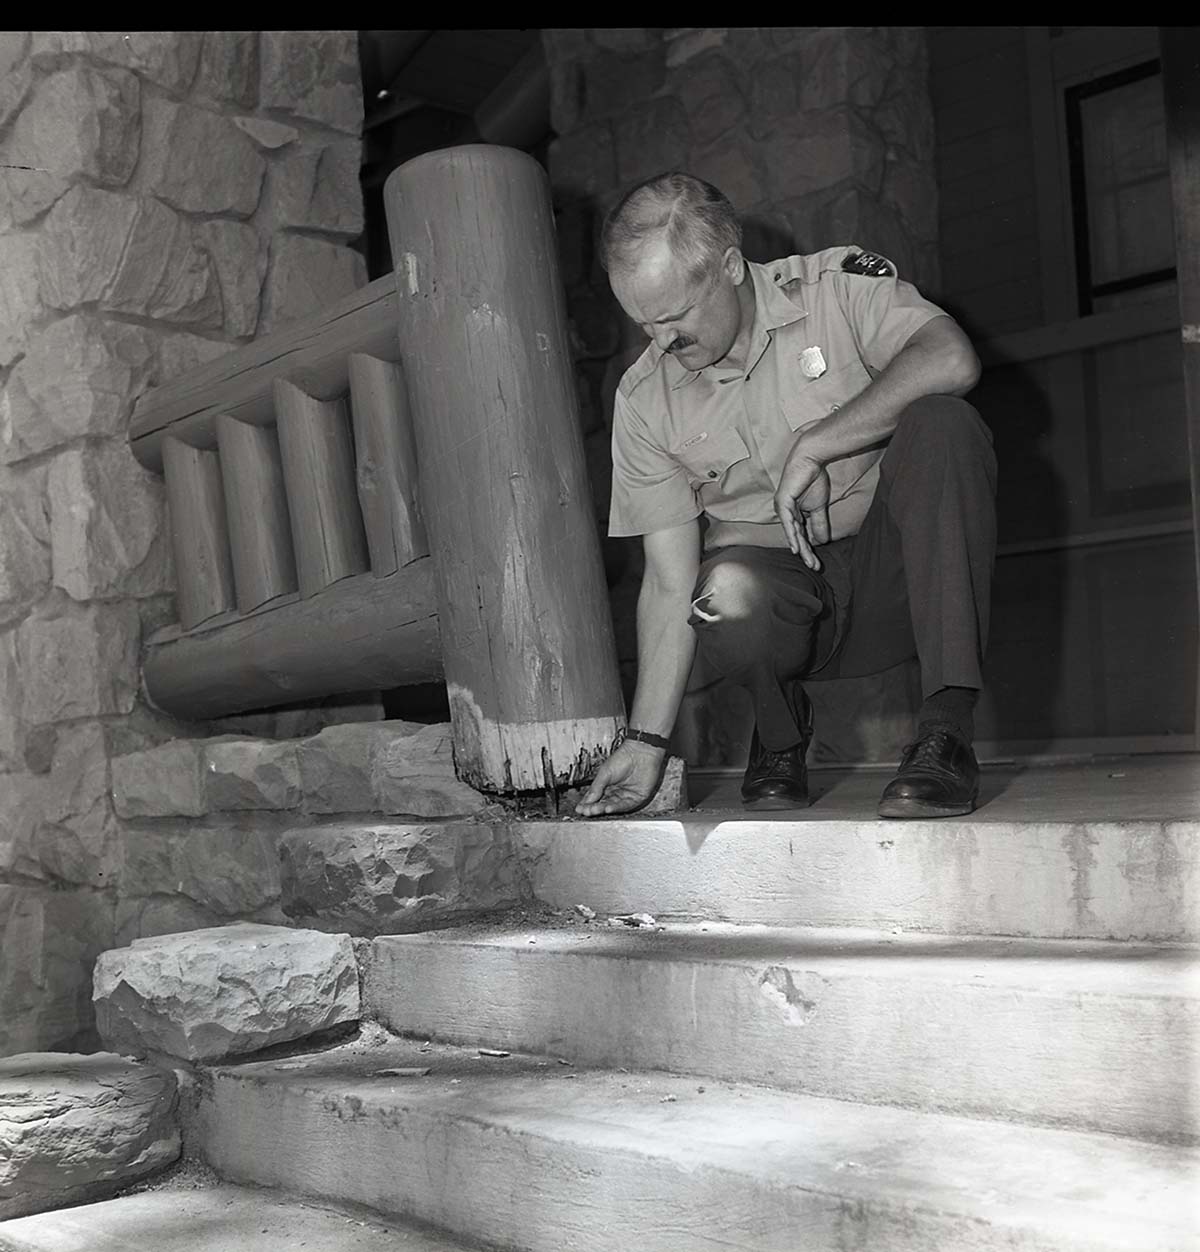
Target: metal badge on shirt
{"type": "Point", "coordinates": [812, 362]}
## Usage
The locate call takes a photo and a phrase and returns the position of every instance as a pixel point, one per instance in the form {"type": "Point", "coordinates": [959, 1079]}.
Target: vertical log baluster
{"type": "Point", "coordinates": [264, 565]}
{"type": "Point", "coordinates": [199, 533]}
{"type": "Point", "coordinates": [386, 463]}
{"type": "Point", "coordinates": [318, 469]}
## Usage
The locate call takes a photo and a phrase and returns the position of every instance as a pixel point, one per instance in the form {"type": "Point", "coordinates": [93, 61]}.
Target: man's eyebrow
{"type": "Point", "coordinates": [672, 317]}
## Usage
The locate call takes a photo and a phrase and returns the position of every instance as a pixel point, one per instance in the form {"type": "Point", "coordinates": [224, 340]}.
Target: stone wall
{"type": "Point", "coordinates": [163, 198]}
{"type": "Point", "coordinates": [820, 136]}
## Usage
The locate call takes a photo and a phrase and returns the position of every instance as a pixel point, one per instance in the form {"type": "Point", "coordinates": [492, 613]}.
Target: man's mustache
{"type": "Point", "coordinates": [679, 343]}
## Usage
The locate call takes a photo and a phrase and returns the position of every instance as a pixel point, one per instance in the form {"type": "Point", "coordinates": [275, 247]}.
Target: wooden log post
{"type": "Point", "coordinates": [386, 460]}
{"type": "Point", "coordinates": [199, 532]}
{"type": "Point", "coordinates": [264, 566]}
{"type": "Point", "coordinates": [527, 641]}
{"type": "Point", "coordinates": [318, 472]}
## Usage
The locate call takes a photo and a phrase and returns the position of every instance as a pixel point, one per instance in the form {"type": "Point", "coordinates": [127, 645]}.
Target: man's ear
{"type": "Point", "coordinates": [735, 265]}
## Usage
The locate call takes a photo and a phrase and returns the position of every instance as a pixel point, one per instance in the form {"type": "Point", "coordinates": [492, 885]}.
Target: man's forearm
{"type": "Point", "coordinates": [666, 647]}
{"type": "Point", "coordinates": [937, 360]}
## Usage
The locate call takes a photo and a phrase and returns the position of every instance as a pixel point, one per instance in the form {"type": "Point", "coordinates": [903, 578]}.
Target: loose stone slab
{"type": "Point", "coordinates": [73, 1128]}
{"type": "Point", "coordinates": [381, 878]}
{"type": "Point", "coordinates": [224, 990]}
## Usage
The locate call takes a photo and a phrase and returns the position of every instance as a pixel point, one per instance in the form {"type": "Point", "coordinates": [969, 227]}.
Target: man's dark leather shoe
{"type": "Point", "coordinates": [938, 777]}
{"type": "Point", "coordinates": [779, 780]}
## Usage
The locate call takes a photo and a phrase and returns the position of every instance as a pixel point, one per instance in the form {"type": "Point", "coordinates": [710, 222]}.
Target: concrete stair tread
{"type": "Point", "coordinates": [222, 1218]}
{"type": "Point", "coordinates": [775, 1154]}
{"type": "Point", "coordinates": [1051, 965]}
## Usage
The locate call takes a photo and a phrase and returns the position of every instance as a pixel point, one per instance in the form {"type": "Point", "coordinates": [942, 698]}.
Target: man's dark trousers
{"type": "Point", "coordinates": [915, 580]}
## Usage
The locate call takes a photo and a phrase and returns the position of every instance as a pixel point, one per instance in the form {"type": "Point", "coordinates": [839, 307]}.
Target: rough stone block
{"type": "Point", "coordinates": [820, 149]}
{"type": "Point", "coordinates": [672, 793]}
{"type": "Point", "coordinates": [16, 72]}
{"type": "Point", "coordinates": [306, 274]}
{"type": "Point", "coordinates": [74, 1128]}
{"type": "Point", "coordinates": [166, 781]}
{"type": "Point", "coordinates": [318, 188]}
{"type": "Point", "coordinates": [178, 165]}
{"type": "Point", "coordinates": [844, 65]}
{"type": "Point", "coordinates": [80, 121]}
{"type": "Point", "coordinates": [24, 540]}
{"type": "Point", "coordinates": [20, 295]}
{"type": "Point", "coordinates": [108, 528]}
{"type": "Point", "coordinates": [336, 768]}
{"type": "Point", "coordinates": [252, 774]}
{"type": "Point", "coordinates": [774, 94]}
{"type": "Point", "coordinates": [79, 377]}
{"type": "Point", "coordinates": [168, 58]}
{"type": "Point", "coordinates": [78, 660]}
{"type": "Point", "coordinates": [567, 86]}
{"type": "Point", "coordinates": [12, 730]}
{"type": "Point", "coordinates": [618, 82]}
{"type": "Point", "coordinates": [225, 871]}
{"type": "Point", "coordinates": [381, 878]}
{"type": "Point", "coordinates": [687, 43]}
{"type": "Point", "coordinates": [50, 939]}
{"type": "Point", "coordinates": [224, 991]}
{"type": "Point", "coordinates": [313, 74]}
{"type": "Point", "coordinates": [229, 66]}
{"type": "Point", "coordinates": [130, 255]}
{"type": "Point", "coordinates": [583, 163]}
{"type": "Point", "coordinates": [266, 133]}
{"type": "Point", "coordinates": [415, 774]}
{"type": "Point", "coordinates": [712, 98]}
{"type": "Point", "coordinates": [651, 139]}
{"type": "Point", "coordinates": [239, 257]}
{"type": "Point", "coordinates": [731, 166]}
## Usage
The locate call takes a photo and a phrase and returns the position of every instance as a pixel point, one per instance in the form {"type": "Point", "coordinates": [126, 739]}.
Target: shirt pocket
{"type": "Point", "coordinates": [707, 457]}
{"type": "Point", "coordinates": [807, 400]}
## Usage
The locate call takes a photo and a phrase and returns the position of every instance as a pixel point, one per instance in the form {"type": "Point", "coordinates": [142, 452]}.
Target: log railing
{"type": "Point", "coordinates": [302, 470]}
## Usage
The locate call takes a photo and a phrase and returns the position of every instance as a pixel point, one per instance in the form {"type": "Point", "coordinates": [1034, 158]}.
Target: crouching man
{"type": "Point", "coordinates": [810, 409]}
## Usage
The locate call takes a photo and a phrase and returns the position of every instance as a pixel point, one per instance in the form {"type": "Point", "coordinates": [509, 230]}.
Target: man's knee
{"type": "Point", "coordinates": [934, 429]}
{"type": "Point", "coordinates": [727, 592]}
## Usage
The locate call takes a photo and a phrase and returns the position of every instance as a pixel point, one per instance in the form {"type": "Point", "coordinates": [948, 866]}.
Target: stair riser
{"type": "Point", "coordinates": [1119, 1064]}
{"type": "Point", "coordinates": [1057, 880]}
{"type": "Point", "coordinates": [538, 1194]}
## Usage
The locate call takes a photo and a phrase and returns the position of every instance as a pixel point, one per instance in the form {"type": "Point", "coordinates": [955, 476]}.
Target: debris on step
{"type": "Point", "coordinates": [493, 1052]}
{"type": "Point", "coordinates": [639, 921]}
{"type": "Point", "coordinates": [588, 915]}
{"type": "Point", "coordinates": [402, 1071]}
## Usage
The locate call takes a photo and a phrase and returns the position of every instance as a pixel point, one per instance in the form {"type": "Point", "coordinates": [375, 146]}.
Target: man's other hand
{"type": "Point", "coordinates": [802, 506]}
{"type": "Point", "coordinates": [625, 781]}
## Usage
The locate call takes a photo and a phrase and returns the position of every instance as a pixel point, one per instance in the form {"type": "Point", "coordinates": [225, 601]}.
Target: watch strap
{"type": "Point", "coordinates": [646, 736]}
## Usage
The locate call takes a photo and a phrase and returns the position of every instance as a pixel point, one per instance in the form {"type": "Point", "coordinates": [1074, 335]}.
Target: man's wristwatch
{"type": "Point", "coordinates": [646, 736]}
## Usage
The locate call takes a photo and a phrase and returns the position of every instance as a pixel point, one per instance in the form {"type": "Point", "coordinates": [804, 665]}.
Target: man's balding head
{"type": "Point", "coordinates": [688, 216]}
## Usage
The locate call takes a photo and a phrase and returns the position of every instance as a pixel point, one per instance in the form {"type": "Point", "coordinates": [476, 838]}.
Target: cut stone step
{"type": "Point", "coordinates": [532, 1155]}
{"type": "Point", "coordinates": [1086, 1035]}
{"type": "Point", "coordinates": [1054, 880]}
{"type": "Point", "coordinates": [216, 1219]}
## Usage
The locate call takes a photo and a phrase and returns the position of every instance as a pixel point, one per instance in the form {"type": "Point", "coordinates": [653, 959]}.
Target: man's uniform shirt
{"type": "Point", "coordinates": [715, 440]}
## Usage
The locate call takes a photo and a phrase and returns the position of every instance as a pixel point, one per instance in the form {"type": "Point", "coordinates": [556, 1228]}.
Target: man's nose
{"type": "Point", "coordinates": [663, 337]}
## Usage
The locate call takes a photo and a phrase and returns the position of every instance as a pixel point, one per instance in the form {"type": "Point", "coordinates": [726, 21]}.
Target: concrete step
{"type": "Point", "coordinates": [1087, 1035]}
{"type": "Point", "coordinates": [536, 1156]}
{"type": "Point", "coordinates": [985, 875]}
{"type": "Point", "coordinates": [216, 1219]}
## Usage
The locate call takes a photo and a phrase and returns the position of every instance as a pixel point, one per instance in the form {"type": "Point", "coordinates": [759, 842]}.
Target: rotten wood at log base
{"type": "Point", "coordinates": [313, 352]}
{"type": "Point", "coordinates": [199, 532]}
{"type": "Point", "coordinates": [361, 634]}
{"type": "Point", "coordinates": [527, 637]}
{"type": "Point", "coordinates": [386, 463]}
{"type": "Point", "coordinates": [264, 565]}
{"type": "Point", "coordinates": [318, 471]}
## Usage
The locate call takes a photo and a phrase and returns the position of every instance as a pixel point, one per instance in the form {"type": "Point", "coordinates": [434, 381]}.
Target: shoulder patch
{"type": "Point", "coordinates": [870, 264]}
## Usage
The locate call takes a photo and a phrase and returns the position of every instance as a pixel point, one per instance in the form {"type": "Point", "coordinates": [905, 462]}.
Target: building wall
{"type": "Point", "coordinates": [819, 136]}
{"type": "Point", "coordinates": [163, 198]}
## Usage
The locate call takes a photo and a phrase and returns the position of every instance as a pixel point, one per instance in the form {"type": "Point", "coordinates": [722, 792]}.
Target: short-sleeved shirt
{"type": "Point", "coordinates": [715, 440]}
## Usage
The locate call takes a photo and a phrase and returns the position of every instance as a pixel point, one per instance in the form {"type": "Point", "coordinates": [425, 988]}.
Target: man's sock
{"type": "Point", "coordinates": [954, 706]}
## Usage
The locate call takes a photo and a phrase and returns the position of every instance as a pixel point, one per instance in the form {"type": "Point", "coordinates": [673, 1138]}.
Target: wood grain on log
{"type": "Point", "coordinates": [318, 472]}
{"type": "Point", "coordinates": [361, 634]}
{"type": "Point", "coordinates": [527, 637]}
{"type": "Point", "coordinates": [386, 463]}
{"type": "Point", "coordinates": [264, 565]}
{"type": "Point", "coordinates": [199, 532]}
{"type": "Point", "coordinates": [313, 351]}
